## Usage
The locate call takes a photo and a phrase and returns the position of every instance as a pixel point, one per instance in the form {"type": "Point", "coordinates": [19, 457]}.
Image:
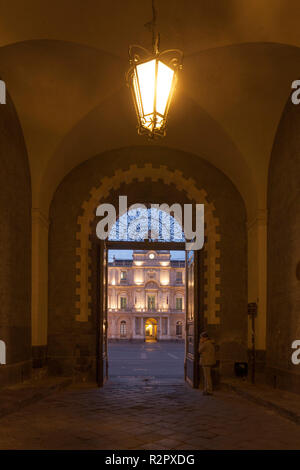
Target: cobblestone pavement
{"type": "Point", "coordinates": [146, 414]}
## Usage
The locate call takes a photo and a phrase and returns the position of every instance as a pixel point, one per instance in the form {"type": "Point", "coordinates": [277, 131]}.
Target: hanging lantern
{"type": "Point", "coordinates": [152, 79]}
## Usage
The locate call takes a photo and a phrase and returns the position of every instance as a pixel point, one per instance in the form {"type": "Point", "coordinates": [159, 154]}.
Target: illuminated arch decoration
{"type": "Point", "coordinates": [156, 224]}
{"type": "Point", "coordinates": [212, 274]}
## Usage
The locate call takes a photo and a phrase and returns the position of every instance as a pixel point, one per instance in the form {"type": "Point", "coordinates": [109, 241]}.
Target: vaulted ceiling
{"type": "Point", "coordinates": [64, 64]}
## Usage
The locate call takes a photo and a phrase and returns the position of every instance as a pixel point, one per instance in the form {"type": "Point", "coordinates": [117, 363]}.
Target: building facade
{"type": "Point", "coordinates": [146, 297]}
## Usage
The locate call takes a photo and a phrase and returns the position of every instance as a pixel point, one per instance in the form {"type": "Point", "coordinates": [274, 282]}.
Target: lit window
{"type": "Point", "coordinates": [123, 328]}
{"type": "Point", "coordinates": [179, 303]}
{"type": "Point", "coordinates": [123, 302]}
{"type": "Point", "coordinates": [151, 302]}
{"type": "Point", "coordinates": [123, 275]}
{"type": "Point", "coordinates": [164, 326]}
{"type": "Point", "coordinates": [179, 328]}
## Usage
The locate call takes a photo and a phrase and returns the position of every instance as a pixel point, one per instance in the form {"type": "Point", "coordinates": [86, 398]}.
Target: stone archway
{"type": "Point", "coordinates": [167, 176]}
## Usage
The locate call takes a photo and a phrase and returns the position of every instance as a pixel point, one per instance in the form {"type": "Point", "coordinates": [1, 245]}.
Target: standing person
{"type": "Point", "coordinates": [207, 360]}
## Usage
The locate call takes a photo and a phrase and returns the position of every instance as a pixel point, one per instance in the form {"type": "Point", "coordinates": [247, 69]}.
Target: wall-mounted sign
{"type": "Point", "coordinates": [252, 309]}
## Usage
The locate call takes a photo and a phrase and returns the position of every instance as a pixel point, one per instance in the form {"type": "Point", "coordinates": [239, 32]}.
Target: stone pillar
{"type": "Point", "coordinates": [40, 225]}
{"type": "Point", "coordinates": [143, 326]}
{"type": "Point", "coordinates": [257, 281]}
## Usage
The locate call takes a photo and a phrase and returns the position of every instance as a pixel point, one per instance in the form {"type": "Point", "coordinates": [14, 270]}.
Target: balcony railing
{"type": "Point", "coordinates": [129, 283]}
{"type": "Point", "coordinates": [146, 310]}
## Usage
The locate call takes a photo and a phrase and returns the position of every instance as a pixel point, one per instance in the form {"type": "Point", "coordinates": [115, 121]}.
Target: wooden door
{"type": "Point", "coordinates": [102, 323]}
{"type": "Point", "coordinates": [194, 314]}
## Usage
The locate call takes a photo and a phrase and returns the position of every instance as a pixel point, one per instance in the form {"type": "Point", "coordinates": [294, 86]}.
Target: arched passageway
{"type": "Point", "coordinates": [72, 284]}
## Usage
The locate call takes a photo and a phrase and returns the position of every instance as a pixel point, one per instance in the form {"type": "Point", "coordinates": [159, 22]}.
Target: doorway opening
{"type": "Point", "coordinates": [151, 330]}
{"type": "Point", "coordinates": [151, 302]}
{"type": "Point", "coordinates": [144, 289]}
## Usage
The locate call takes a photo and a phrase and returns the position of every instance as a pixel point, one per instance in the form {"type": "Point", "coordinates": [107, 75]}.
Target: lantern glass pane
{"type": "Point", "coordinates": [159, 121]}
{"type": "Point", "coordinates": [164, 84]}
{"type": "Point", "coordinates": [146, 78]}
{"type": "Point", "coordinates": [137, 95]}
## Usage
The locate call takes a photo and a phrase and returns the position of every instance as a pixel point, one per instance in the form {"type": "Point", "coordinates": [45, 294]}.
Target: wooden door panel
{"type": "Point", "coordinates": [102, 323]}
{"type": "Point", "coordinates": [105, 320]}
{"type": "Point", "coordinates": [194, 314]}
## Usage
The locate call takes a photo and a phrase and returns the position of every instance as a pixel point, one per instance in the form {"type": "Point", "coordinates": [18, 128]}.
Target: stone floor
{"type": "Point", "coordinates": [141, 413]}
{"type": "Point", "coordinates": [162, 359]}
{"type": "Point", "coordinates": [283, 402]}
